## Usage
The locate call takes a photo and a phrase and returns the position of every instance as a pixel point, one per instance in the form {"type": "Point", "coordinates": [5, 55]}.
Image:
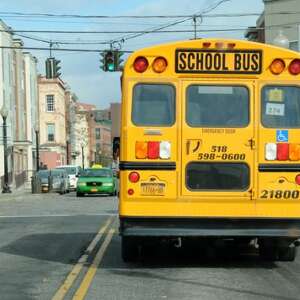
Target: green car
{"type": "Point", "coordinates": [96, 181]}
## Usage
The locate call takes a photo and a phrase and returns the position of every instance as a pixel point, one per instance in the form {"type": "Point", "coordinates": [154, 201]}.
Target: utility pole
{"type": "Point", "coordinates": [195, 26]}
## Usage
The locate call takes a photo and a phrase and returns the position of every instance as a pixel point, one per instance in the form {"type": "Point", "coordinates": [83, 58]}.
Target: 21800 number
{"type": "Point", "coordinates": [279, 194]}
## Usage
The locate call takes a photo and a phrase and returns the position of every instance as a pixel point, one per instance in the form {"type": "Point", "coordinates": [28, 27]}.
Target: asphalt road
{"type": "Point", "coordinates": [63, 247]}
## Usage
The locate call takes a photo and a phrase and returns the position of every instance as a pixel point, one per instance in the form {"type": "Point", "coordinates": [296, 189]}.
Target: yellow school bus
{"type": "Point", "coordinates": [210, 145]}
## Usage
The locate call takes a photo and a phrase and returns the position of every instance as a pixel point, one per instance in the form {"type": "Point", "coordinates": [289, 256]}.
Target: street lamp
{"type": "Point", "coordinates": [4, 114]}
{"type": "Point", "coordinates": [36, 129]}
{"type": "Point", "coordinates": [68, 150]}
{"type": "Point", "coordinates": [82, 155]}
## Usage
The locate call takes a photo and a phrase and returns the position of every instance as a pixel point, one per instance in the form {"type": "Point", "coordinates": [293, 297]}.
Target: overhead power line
{"type": "Point", "coordinates": [139, 31]}
{"type": "Point", "coordinates": [60, 49]}
{"type": "Point", "coordinates": [205, 14]}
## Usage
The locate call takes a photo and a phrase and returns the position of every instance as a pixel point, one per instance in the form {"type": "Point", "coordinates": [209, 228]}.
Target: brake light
{"type": "Point", "coordinates": [140, 64]}
{"type": "Point", "coordinates": [159, 65]}
{"type": "Point", "coordinates": [297, 179]}
{"type": "Point", "coordinates": [153, 150]}
{"type": "Point", "coordinates": [134, 177]}
{"type": "Point", "coordinates": [283, 151]}
{"type": "Point", "coordinates": [141, 150]}
{"type": "Point", "coordinates": [294, 67]}
{"type": "Point", "coordinates": [277, 66]}
{"type": "Point", "coordinates": [294, 150]}
{"type": "Point", "coordinates": [271, 151]}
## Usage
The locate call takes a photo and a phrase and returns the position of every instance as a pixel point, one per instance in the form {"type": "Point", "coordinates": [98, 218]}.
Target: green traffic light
{"type": "Point", "coordinates": [110, 67]}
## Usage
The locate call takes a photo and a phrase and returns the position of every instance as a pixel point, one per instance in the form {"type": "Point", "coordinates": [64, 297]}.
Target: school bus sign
{"type": "Point", "coordinates": [218, 61]}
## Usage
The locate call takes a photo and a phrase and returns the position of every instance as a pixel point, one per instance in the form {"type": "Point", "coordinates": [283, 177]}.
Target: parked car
{"type": "Point", "coordinates": [96, 181]}
{"type": "Point", "coordinates": [60, 181]}
{"type": "Point", "coordinates": [43, 176]}
{"type": "Point", "coordinates": [73, 173]}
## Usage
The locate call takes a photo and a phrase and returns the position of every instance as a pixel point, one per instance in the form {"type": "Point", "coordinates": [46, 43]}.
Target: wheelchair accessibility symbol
{"type": "Point", "coordinates": [282, 135]}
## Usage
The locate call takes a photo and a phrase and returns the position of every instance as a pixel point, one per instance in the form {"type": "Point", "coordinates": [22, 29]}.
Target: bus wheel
{"type": "Point", "coordinates": [130, 249]}
{"type": "Point", "coordinates": [287, 253]}
{"type": "Point", "coordinates": [268, 253]}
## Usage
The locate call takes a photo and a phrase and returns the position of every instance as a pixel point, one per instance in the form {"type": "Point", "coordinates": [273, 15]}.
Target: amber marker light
{"type": "Point", "coordinates": [206, 44]}
{"type": "Point", "coordinates": [294, 152]}
{"type": "Point", "coordinates": [140, 64]}
{"type": "Point", "coordinates": [230, 45]}
{"type": "Point", "coordinates": [159, 65]}
{"type": "Point", "coordinates": [219, 45]}
{"type": "Point", "coordinates": [141, 149]}
{"type": "Point", "coordinates": [277, 66]}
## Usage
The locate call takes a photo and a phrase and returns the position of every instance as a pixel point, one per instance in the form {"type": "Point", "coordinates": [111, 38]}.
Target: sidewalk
{"type": "Point", "coordinates": [16, 194]}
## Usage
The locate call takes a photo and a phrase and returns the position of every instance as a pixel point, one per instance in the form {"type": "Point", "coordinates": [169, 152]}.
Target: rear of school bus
{"type": "Point", "coordinates": [210, 145]}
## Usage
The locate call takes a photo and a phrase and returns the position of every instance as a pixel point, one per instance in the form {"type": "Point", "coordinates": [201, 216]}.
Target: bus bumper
{"type": "Point", "coordinates": [210, 227]}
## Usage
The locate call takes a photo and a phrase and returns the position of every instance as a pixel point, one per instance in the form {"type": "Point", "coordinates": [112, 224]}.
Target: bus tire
{"type": "Point", "coordinates": [268, 253]}
{"type": "Point", "coordinates": [287, 253]}
{"type": "Point", "coordinates": [130, 249]}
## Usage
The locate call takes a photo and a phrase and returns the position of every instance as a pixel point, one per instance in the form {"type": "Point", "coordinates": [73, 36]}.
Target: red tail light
{"type": "Point", "coordinates": [134, 177]}
{"type": "Point", "coordinates": [140, 64]}
{"type": "Point", "coordinates": [130, 192]}
{"type": "Point", "coordinates": [206, 44]}
{"type": "Point", "coordinates": [297, 179]}
{"type": "Point", "coordinates": [283, 151]}
{"type": "Point", "coordinates": [294, 67]}
{"type": "Point", "coordinates": [153, 150]}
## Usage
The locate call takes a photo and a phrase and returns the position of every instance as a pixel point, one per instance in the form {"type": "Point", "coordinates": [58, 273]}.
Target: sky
{"type": "Point", "coordinates": [81, 71]}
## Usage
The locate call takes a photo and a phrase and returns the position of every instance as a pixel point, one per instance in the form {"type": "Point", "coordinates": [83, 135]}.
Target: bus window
{"type": "Point", "coordinates": [217, 106]}
{"type": "Point", "coordinates": [153, 105]}
{"type": "Point", "coordinates": [217, 176]}
{"type": "Point", "coordinates": [281, 106]}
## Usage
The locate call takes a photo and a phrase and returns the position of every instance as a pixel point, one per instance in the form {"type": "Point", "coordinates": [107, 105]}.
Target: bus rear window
{"type": "Point", "coordinates": [217, 176]}
{"type": "Point", "coordinates": [280, 106]}
{"type": "Point", "coordinates": [153, 105]}
{"type": "Point", "coordinates": [217, 106]}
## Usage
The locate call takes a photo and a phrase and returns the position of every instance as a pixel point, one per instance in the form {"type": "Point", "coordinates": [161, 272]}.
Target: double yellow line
{"type": "Point", "coordinates": [90, 274]}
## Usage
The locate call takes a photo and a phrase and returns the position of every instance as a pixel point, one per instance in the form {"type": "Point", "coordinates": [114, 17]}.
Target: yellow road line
{"type": "Point", "coordinates": [87, 280]}
{"type": "Point", "coordinates": [65, 287]}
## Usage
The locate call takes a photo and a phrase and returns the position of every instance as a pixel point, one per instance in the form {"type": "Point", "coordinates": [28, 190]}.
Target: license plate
{"type": "Point", "coordinates": [94, 190]}
{"type": "Point", "coordinates": [152, 189]}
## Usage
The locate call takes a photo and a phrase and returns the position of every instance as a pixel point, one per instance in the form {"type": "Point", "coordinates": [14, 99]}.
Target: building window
{"type": "Point", "coordinates": [51, 132]}
{"type": "Point", "coordinates": [294, 45]}
{"type": "Point", "coordinates": [98, 147]}
{"type": "Point", "coordinates": [50, 103]}
{"type": "Point", "coordinates": [98, 133]}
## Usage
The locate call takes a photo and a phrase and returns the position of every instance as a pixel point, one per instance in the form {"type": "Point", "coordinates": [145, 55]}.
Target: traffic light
{"type": "Point", "coordinates": [102, 60]}
{"type": "Point", "coordinates": [52, 68]}
{"type": "Point", "coordinates": [49, 68]}
{"type": "Point", "coordinates": [118, 60]}
{"type": "Point", "coordinates": [56, 68]}
{"type": "Point", "coordinates": [111, 60]}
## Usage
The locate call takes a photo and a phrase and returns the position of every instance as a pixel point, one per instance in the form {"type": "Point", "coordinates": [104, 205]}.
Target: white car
{"type": "Point", "coordinates": [73, 172]}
